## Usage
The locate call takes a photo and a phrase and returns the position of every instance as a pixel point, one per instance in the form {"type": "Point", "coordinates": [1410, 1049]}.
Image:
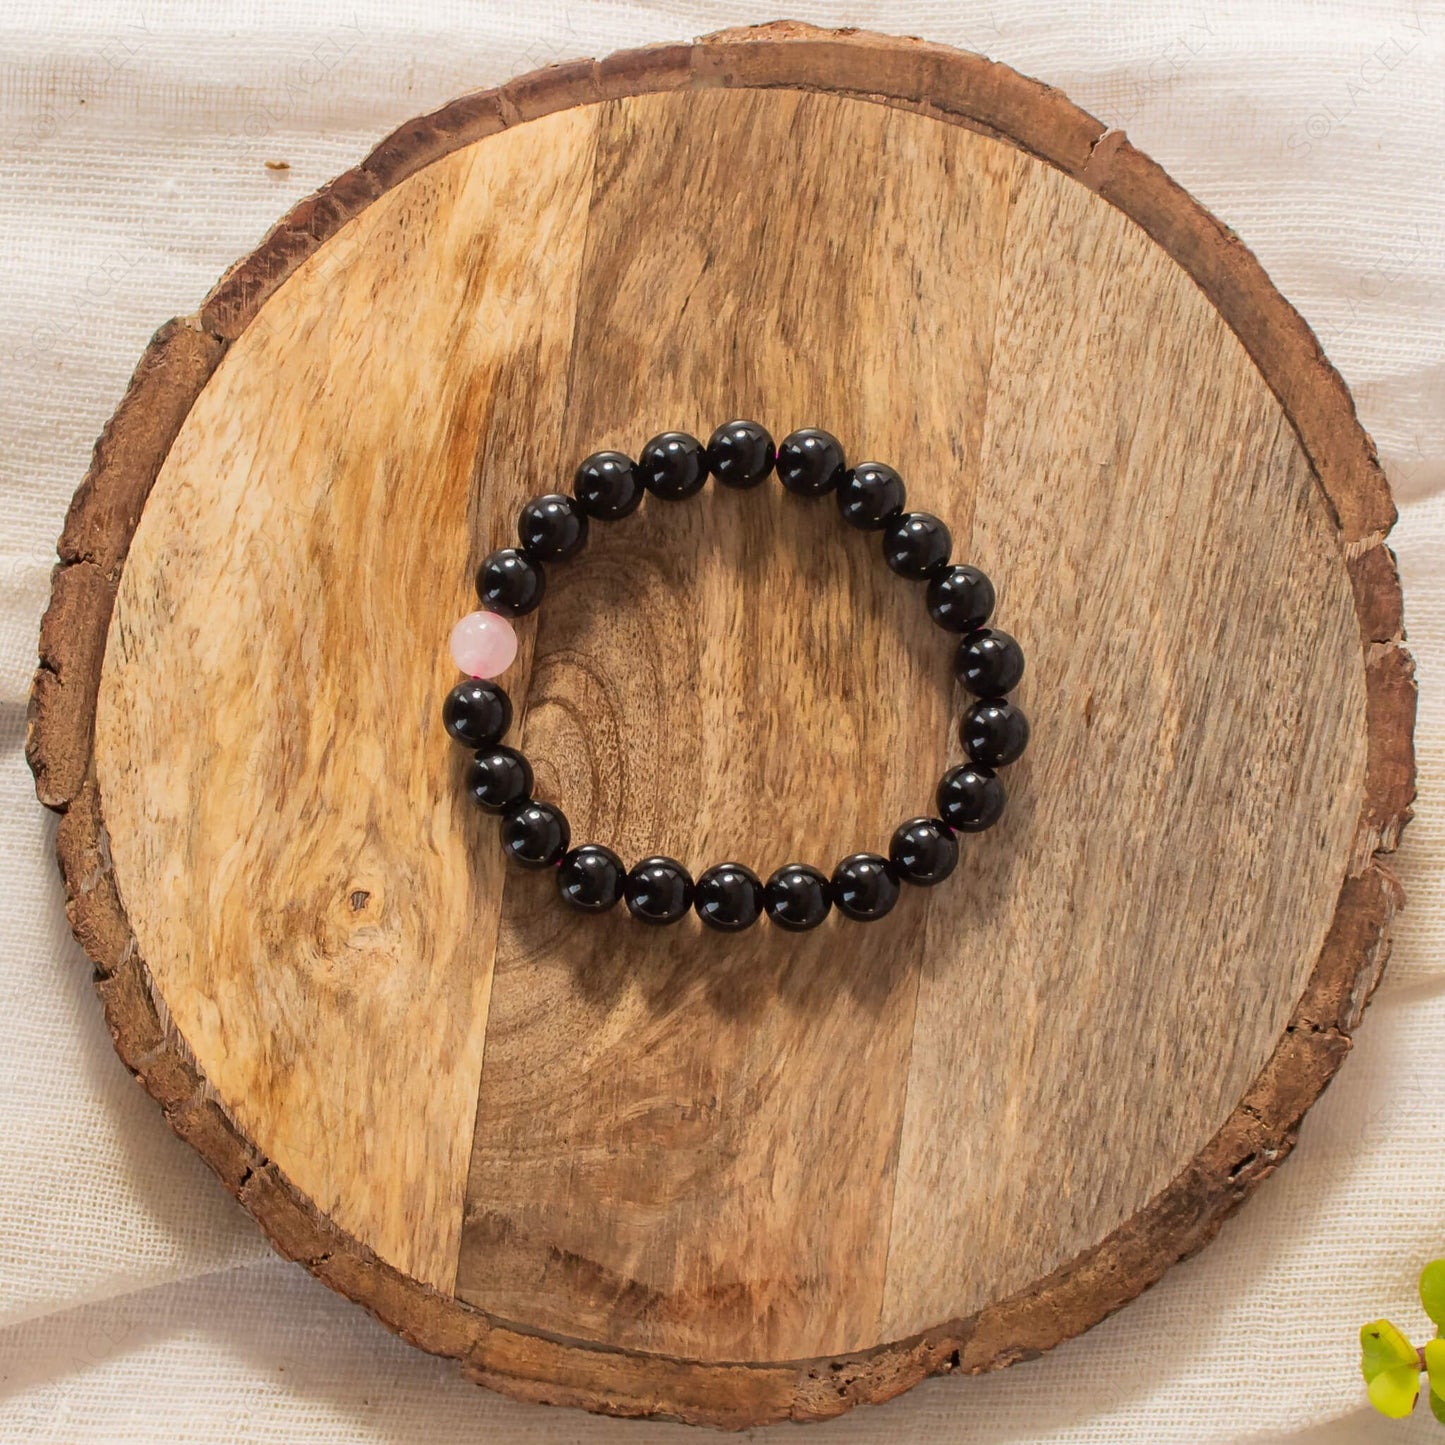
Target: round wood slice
{"type": "Point", "coordinates": [734, 1179]}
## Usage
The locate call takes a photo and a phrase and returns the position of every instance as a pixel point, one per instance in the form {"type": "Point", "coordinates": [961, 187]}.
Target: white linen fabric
{"type": "Point", "coordinates": [137, 1301]}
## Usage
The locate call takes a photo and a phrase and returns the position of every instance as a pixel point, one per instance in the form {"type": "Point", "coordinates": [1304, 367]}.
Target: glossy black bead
{"type": "Point", "coordinates": [989, 663]}
{"type": "Point", "coordinates": [509, 582]}
{"type": "Point", "coordinates": [970, 798]}
{"type": "Point", "coordinates": [477, 712]}
{"type": "Point", "coordinates": [960, 599]}
{"type": "Point", "coordinates": [552, 528]}
{"type": "Point", "coordinates": [607, 486]}
{"type": "Point", "coordinates": [535, 834]}
{"type": "Point", "coordinates": [994, 733]}
{"type": "Point", "coordinates": [499, 778]}
{"type": "Point", "coordinates": [673, 466]}
{"type": "Point", "coordinates": [865, 887]}
{"type": "Point", "coordinates": [797, 897]}
{"type": "Point", "coordinates": [923, 851]}
{"type": "Point", "coordinates": [658, 890]}
{"type": "Point", "coordinates": [871, 496]}
{"type": "Point", "coordinates": [590, 878]}
{"type": "Point", "coordinates": [740, 454]}
{"type": "Point", "coordinates": [729, 897]}
{"type": "Point", "coordinates": [811, 462]}
{"type": "Point", "coordinates": [917, 546]}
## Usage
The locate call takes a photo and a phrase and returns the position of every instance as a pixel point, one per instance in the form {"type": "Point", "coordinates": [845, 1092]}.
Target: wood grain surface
{"type": "Point", "coordinates": [944, 1141]}
{"type": "Point", "coordinates": [319, 896]}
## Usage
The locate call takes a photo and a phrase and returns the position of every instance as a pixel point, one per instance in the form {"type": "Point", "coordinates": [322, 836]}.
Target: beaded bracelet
{"type": "Point", "coordinates": [916, 545]}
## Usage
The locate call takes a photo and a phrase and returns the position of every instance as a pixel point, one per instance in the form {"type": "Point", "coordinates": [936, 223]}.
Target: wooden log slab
{"type": "Point", "coordinates": [734, 1179]}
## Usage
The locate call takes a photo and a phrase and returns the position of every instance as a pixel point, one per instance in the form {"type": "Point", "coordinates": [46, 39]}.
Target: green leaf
{"type": "Point", "coordinates": [1435, 1364]}
{"type": "Point", "coordinates": [1391, 1369]}
{"type": "Point", "coordinates": [1383, 1347]}
{"type": "Point", "coordinates": [1437, 1407]}
{"type": "Point", "coordinates": [1393, 1391]}
{"type": "Point", "coordinates": [1432, 1291]}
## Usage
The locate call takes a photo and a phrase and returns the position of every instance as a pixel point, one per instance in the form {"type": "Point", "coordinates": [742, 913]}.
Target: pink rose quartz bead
{"type": "Point", "coordinates": [483, 644]}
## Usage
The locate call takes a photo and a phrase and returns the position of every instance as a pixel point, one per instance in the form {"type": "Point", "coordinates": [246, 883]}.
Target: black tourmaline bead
{"type": "Point", "coordinates": [729, 897]}
{"type": "Point", "coordinates": [871, 496]}
{"type": "Point", "coordinates": [994, 733]}
{"type": "Point", "coordinates": [797, 897]}
{"type": "Point", "coordinates": [607, 485]}
{"type": "Point", "coordinates": [509, 582]}
{"type": "Point", "coordinates": [923, 851]}
{"type": "Point", "coordinates": [552, 528]}
{"type": "Point", "coordinates": [477, 712]}
{"type": "Point", "coordinates": [740, 454]}
{"type": "Point", "coordinates": [590, 878]}
{"type": "Point", "coordinates": [811, 462]}
{"type": "Point", "coordinates": [916, 545]}
{"type": "Point", "coordinates": [499, 778]}
{"type": "Point", "coordinates": [673, 466]}
{"type": "Point", "coordinates": [865, 886]}
{"type": "Point", "coordinates": [535, 834]}
{"type": "Point", "coordinates": [970, 798]}
{"type": "Point", "coordinates": [989, 663]}
{"type": "Point", "coordinates": [658, 890]}
{"type": "Point", "coordinates": [960, 599]}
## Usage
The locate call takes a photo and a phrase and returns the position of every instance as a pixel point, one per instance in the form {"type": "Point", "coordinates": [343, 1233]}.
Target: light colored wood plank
{"type": "Point", "coordinates": [1129, 943]}
{"type": "Point", "coordinates": [314, 898]}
